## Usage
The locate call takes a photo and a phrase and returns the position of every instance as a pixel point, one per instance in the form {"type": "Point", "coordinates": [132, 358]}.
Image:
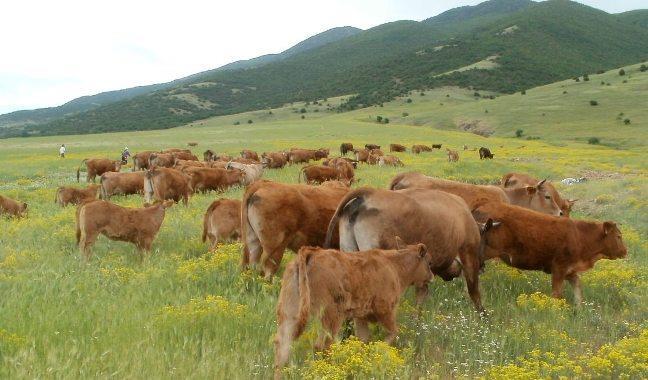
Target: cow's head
{"type": "Point", "coordinates": [118, 165]}
{"type": "Point", "coordinates": [567, 206]}
{"type": "Point", "coordinates": [421, 273]}
{"type": "Point", "coordinates": [612, 242]}
{"type": "Point", "coordinates": [541, 200]}
{"type": "Point", "coordinates": [23, 209]}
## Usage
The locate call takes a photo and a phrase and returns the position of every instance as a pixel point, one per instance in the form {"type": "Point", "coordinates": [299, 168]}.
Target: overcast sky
{"type": "Point", "coordinates": [54, 51]}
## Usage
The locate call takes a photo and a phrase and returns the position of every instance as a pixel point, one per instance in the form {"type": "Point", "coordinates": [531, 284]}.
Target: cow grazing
{"type": "Point", "coordinates": [222, 222]}
{"type": "Point", "coordinates": [161, 160]}
{"type": "Point", "coordinates": [518, 180]}
{"type": "Point", "coordinates": [345, 148]}
{"type": "Point", "coordinates": [121, 184]}
{"type": "Point", "coordinates": [361, 155]}
{"type": "Point", "coordinates": [250, 155]}
{"type": "Point", "coordinates": [390, 161]}
{"type": "Point", "coordinates": [161, 184]}
{"type": "Point", "coordinates": [335, 286]}
{"type": "Point", "coordinates": [296, 156]}
{"type": "Point", "coordinates": [253, 172]}
{"type": "Point", "coordinates": [532, 197]}
{"type": "Point", "coordinates": [141, 160]}
{"type": "Point", "coordinates": [175, 150]}
{"type": "Point", "coordinates": [436, 146]}
{"type": "Point", "coordinates": [243, 160]}
{"type": "Point", "coordinates": [66, 195]}
{"type": "Point", "coordinates": [317, 174]}
{"type": "Point", "coordinates": [453, 155]}
{"type": "Point", "coordinates": [485, 153]}
{"type": "Point", "coordinates": [369, 218]}
{"type": "Point", "coordinates": [277, 216]}
{"type": "Point", "coordinates": [187, 156]}
{"type": "Point", "coordinates": [416, 149]}
{"type": "Point", "coordinates": [98, 166]}
{"type": "Point", "coordinates": [345, 168]}
{"type": "Point", "coordinates": [275, 160]}
{"type": "Point", "coordinates": [372, 146]}
{"type": "Point", "coordinates": [563, 247]}
{"type": "Point", "coordinates": [12, 208]}
{"type": "Point", "coordinates": [373, 159]}
{"type": "Point", "coordinates": [376, 152]}
{"type": "Point", "coordinates": [133, 225]}
{"type": "Point", "coordinates": [397, 148]}
{"type": "Point", "coordinates": [216, 179]}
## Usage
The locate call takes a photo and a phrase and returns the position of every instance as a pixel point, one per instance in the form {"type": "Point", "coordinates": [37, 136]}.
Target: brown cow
{"type": "Point", "coordinates": [277, 216]}
{"type": "Point", "coordinates": [98, 166]}
{"type": "Point", "coordinates": [397, 148]}
{"type": "Point", "coordinates": [133, 225]}
{"type": "Point", "coordinates": [161, 160]}
{"type": "Point", "coordinates": [250, 155]}
{"type": "Point", "coordinates": [345, 168]}
{"type": "Point", "coordinates": [362, 155]}
{"type": "Point", "coordinates": [180, 164]}
{"type": "Point", "coordinates": [416, 149]}
{"type": "Point", "coordinates": [436, 146]}
{"type": "Point", "coordinates": [485, 153]}
{"type": "Point", "coordinates": [305, 155]}
{"type": "Point", "coordinates": [317, 174]}
{"type": "Point", "coordinates": [376, 152]}
{"type": "Point", "coordinates": [563, 247]}
{"type": "Point", "coordinates": [161, 184]}
{"type": "Point", "coordinates": [141, 160]}
{"type": "Point", "coordinates": [335, 160]}
{"type": "Point", "coordinates": [121, 184]}
{"type": "Point", "coordinates": [390, 161]}
{"type": "Point", "coordinates": [453, 155]}
{"type": "Point", "coordinates": [217, 179]}
{"type": "Point", "coordinates": [345, 148]}
{"type": "Point", "coordinates": [275, 160]}
{"type": "Point", "coordinates": [532, 197]}
{"type": "Point", "coordinates": [336, 286]}
{"type": "Point", "coordinates": [175, 150]}
{"type": "Point", "coordinates": [372, 146]}
{"type": "Point", "coordinates": [369, 218]}
{"type": "Point", "coordinates": [245, 161]}
{"type": "Point", "coordinates": [70, 195]}
{"type": "Point", "coordinates": [517, 180]}
{"type": "Point", "coordinates": [222, 222]}
{"type": "Point", "coordinates": [12, 208]}
{"type": "Point", "coordinates": [187, 156]}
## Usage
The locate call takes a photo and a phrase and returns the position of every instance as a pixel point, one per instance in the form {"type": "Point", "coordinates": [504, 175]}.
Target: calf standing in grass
{"type": "Point", "coordinates": [222, 222]}
{"type": "Point", "coordinates": [66, 195]}
{"type": "Point", "coordinates": [12, 208]}
{"type": "Point", "coordinates": [133, 225]}
{"type": "Point", "coordinates": [336, 286]}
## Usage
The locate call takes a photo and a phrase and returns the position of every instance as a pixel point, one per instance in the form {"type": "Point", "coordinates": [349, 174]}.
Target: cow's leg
{"type": "Point", "coordinates": [85, 245]}
{"type": "Point", "coordinates": [471, 273]}
{"type": "Point", "coordinates": [557, 282]}
{"type": "Point", "coordinates": [574, 280]}
{"type": "Point", "coordinates": [331, 322]}
{"type": "Point", "coordinates": [388, 320]}
{"type": "Point", "coordinates": [272, 262]}
{"type": "Point", "coordinates": [362, 329]}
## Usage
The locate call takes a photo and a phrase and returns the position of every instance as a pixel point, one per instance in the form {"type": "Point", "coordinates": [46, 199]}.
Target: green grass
{"type": "Point", "coordinates": [59, 318]}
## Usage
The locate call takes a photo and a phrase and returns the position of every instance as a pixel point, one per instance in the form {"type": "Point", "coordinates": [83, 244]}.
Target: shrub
{"type": "Point", "coordinates": [386, 120]}
{"type": "Point", "coordinates": [600, 72]}
{"type": "Point", "coordinates": [564, 92]}
{"type": "Point", "coordinates": [625, 81]}
{"type": "Point", "coordinates": [643, 68]}
{"type": "Point", "coordinates": [422, 93]}
{"type": "Point", "coordinates": [405, 114]}
{"type": "Point", "coordinates": [586, 78]}
{"type": "Point", "coordinates": [250, 121]}
{"type": "Point", "coordinates": [303, 116]}
{"type": "Point", "coordinates": [593, 140]}
{"type": "Point", "coordinates": [269, 112]}
{"type": "Point", "coordinates": [447, 95]}
{"type": "Point", "coordinates": [602, 83]}
{"type": "Point", "coordinates": [621, 72]}
{"type": "Point", "coordinates": [523, 92]}
{"type": "Point", "coordinates": [476, 94]}
{"type": "Point", "coordinates": [626, 121]}
{"type": "Point", "coordinates": [577, 79]}
{"type": "Point", "coordinates": [409, 100]}
{"type": "Point", "coordinates": [519, 133]}
{"type": "Point", "coordinates": [237, 123]}
{"type": "Point", "coordinates": [593, 103]}
{"type": "Point", "coordinates": [303, 110]}
{"type": "Point", "coordinates": [379, 119]}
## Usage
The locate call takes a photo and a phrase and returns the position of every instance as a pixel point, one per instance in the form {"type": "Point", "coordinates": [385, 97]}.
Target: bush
{"type": "Point", "coordinates": [621, 72]}
{"type": "Point", "coordinates": [600, 72]}
{"type": "Point", "coordinates": [303, 116]}
{"type": "Point", "coordinates": [643, 68]}
{"type": "Point", "coordinates": [237, 123]}
{"type": "Point", "coordinates": [626, 121]}
{"type": "Point", "coordinates": [519, 133]}
{"type": "Point", "coordinates": [447, 95]}
{"type": "Point", "coordinates": [379, 119]}
{"type": "Point", "coordinates": [405, 114]}
{"type": "Point", "coordinates": [409, 100]}
{"type": "Point", "coordinates": [303, 110]}
{"type": "Point", "coordinates": [593, 140]}
{"type": "Point", "coordinates": [523, 92]}
{"type": "Point", "coordinates": [625, 81]}
{"type": "Point", "coordinates": [250, 121]}
{"type": "Point", "coordinates": [422, 93]}
{"type": "Point", "coordinates": [564, 92]}
{"type": "Point", "coordinates": [577, 79]}
{"type": "Point", "coordinates": [602, 83]}
{"type": "Point", "coordinates": [593, 103]}
{"type": "Point", "coordinates": [476, 94]}
{"type": "Point", "coordinates": [386, 120]}
{"type": "Point", "coordinates": [585, 78]}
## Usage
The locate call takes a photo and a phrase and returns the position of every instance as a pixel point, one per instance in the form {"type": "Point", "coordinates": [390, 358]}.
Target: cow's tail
{"type": "Point", "coordinates": [103, 194]}
{"type": "Point", "coordinates": [246, 226]}
{"type": "Point", "coordinates": [210, 209]}
{"type": "Point", "coordinates": [57, 196]}
{"type": "Point", "coordinates": [304, 291]}
{"type": "Point", "coordinates": [79, 169]}
{"type": "Point", "coordinates": [395, 183]}
{"type": "Point", "coordinates": [79, 215]}
{"type": "Point", "coordinates": [355, 197]}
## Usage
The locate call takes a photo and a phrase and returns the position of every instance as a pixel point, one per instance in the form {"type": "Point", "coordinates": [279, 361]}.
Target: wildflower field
{"type": "Point", "coordinates": [190, 313]}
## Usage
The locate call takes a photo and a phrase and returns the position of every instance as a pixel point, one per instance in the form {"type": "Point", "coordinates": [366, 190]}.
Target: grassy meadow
{"type": "Point", "coordinates": [190, 313]}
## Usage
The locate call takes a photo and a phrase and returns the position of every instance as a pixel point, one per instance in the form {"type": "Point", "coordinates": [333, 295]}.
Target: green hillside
{"type": "Point", "coordinates": [532, 45]}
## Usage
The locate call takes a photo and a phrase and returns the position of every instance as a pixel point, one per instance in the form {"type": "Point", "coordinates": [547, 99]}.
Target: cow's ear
{"type": "Point", "coordinates": [24, 206]}
{"type": "Point", "coordinates": [531, 190]}
{"type": "Point", "coordinates": [422, 250]}
{"type": "Point", "coordinates": [400, 244]}
{"type": "Point", "coordinates": [541, 183]}
{"type": "Point", "coordinates": [608, 227]}
{"type": "Point", "coordinates": [571, 202]}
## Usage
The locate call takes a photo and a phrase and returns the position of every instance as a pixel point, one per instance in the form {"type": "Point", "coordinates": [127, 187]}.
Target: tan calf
{"type": "Point", "coordinates": [222, 222]}
{"type": "Point", "coordinates": [12, 208]}
{"type": "Point", "coordinates": [66, 195]}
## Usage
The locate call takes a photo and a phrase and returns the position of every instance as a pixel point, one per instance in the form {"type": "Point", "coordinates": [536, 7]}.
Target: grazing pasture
{"type": "Point", "coordinates": [189, 313]}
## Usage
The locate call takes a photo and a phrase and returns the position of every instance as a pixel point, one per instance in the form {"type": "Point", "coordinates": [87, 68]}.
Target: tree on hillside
{"type": "Point", "coordinates": [519, 133]}
{"type": "Point", "coordinates": [622, 72]}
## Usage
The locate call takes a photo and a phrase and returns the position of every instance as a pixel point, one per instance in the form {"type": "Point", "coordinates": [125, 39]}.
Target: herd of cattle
{"type": "Point", "coordinates": [402, 236]}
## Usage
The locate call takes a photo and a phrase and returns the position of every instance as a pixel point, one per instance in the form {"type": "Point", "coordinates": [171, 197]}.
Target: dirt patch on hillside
{"type": "Point", "coordinates": [477, 127]}
{"type": "Point", "coordinates": [598, 175]}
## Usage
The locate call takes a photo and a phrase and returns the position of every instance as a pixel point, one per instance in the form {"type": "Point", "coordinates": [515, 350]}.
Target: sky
{"type": "Point", "coordinates": [55, 51]}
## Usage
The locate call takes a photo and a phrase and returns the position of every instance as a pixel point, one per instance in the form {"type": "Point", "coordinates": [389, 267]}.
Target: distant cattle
{"type": "Point", "coordinates": [345, 148]}
{"type": "Point", "coordinates": [175, 150]}
{"type": "Point", "coordinates": [275, 160]}
{"type": "Point", "coordinates": [161, 160]}
{"type": "Point", "coordinates": [66, 195]}
{"type": "Point", "coordinates": [373, 159]}
{"type": "Point", "coordinates": [250, 155]}
{"type": "Point", "coordinates": [519, 180]}
{"type": "Point", "coordinates": [164, 183]}
{"type": "Point", "coordinates": [532, 197]}
{"type": "Point", "coordinates": [133, 225]}
{"type": "Point", "coordinates": [333, 161]}
{"type": "Point", "coordinates": [12, 208]}
{"type": "Point", "coordinates": [188, 156]}
{"type": "Point", "coordinates": [372, 146]}
{"type": "Point", "coordinates": [485, 153]}
{"type": "Point", "coordinates": [252, 172]}
{"type": "Point", "coordinates": [192, 144]}
{"type": "Point", "coordinates": [141, 160]}
{"type": "Point", "coordinates": [317, 174]}
{"type": "Point", "coordinates": [390, 161]}
{"type": "Point", "coordinates": [369, 218]}
{"type": "Point", "coordinates": [180, 164]}
{"type": "Point", "coordinates": [416, 149]}
{"type": "Point", "coordinates": [465, 147]}
{"type": "Point", "coordinates": [335, 286]}
{"type": "Point", "coordinates": [215, 179]}
{"type": "Point", "coordinates": [397, 148]}
{"type": "Point", "coordinates": [376, 152]}
{"type": "Point", "coordinates": [208, 155]}
{"type": "Point", "coordinates": [563, 247]}
{"type": "Point", "coordinates": [361, 155]}
{"type": "Point", "coordinates": [436, 146]}
{"type": "Point", "coordinates": [277, 216]}
{"type": "Point", "coordinates": [222, 222]}
{"type": "Point", "coordinates": [121, 184]}
{"type": "Point", "coordinates": [98, 166]}
{"type": "Point", "coordinates": [296, 156]}
{"type": "Point", "coordinates": [453, 155]}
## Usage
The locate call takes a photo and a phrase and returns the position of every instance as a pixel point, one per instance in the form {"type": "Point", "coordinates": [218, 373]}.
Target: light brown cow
{"type": "Point", "coordinates": [121, 184]}
{"type": "Point", "coordinates": [390, 161]}
{"type": "Point", "coordinates": [335, 286]}
{"type": "Point", "coordinates": [532, 197]}
{"type": "Point", "coordinates": [12, 208]}
{"type": "Point", "coordinates": [453, 155]}
{"type": "Point", "coordinates": [253, 172]}
{"type": "Point", "coordinates": [222, 222]}
{"type": "Point", "coordinates": [275, 160]}
{"type": "Point", "coordinates": [217, 179]}
{"type": "Point", "coordinates": [372, 146]}
{"type": "Point", "coordinates": [397, 148]}
{"type": "Point", "coordinates": [250, 155]}
{"type": "Point", "coordinates": [345, 168]}
{"type": "Point", "coordinates": [563, 247]}
{"type": "Point", "coordinates": [361, 155]}
{"type": "Point", "coordinates": [161, 184]}
{"type": "Point", "coordinates": [66, 195]}
{"type": "Point", "coordinates": [369, 218]}
{"type": "Point", "coordinates": [175, 150]}
{"type": "Point", "coordinates": [277, 216]}
{"type": "Point", "coordinates": [416, 149]}
{"type": "Point", "coordinates": [517, 180]}
{"type": "Point", "coordinates": [161, 160]}
{"type": "Point", "coordinates": [376, 152]}
{"type": "Point", "coordinates": [187, 156]}
{"type": "Point", "coordinates": [317, 174]}
{"type": "Point", "coordinates": [296, 155]}
{"type": "Point", "coordinates": [345, 148]}
{"type": "Point", "coordinates": [245, 161]}
{"type": "Point", "coordinates": [134, 225]}
{"type": "Point", "coordinates": [141, 160]}
{"type": "Point", "coordinates": [98, 166]}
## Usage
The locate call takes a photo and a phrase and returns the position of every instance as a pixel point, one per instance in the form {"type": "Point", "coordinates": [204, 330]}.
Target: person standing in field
{"type": "Point", "coordinates": [62, 151]}
{"type": "Point", "coordinates": [124, 156]}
